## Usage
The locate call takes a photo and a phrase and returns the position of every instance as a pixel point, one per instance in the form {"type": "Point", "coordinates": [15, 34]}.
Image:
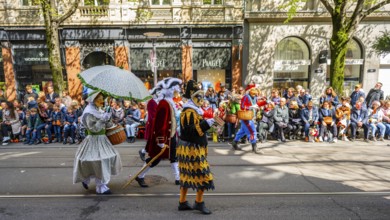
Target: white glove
{"type": "Point", "coordinates": [161, 145]}
{"type": "Point", "coordinates": [210, 121]}
{"type": "Point", "coordinates": [254, 107]}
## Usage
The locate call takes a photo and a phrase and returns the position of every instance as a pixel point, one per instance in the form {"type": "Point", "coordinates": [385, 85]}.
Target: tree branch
{"type": "Point", "coordinates": [354, 20]}
{"type": "Point", "coordinates": [374, 8]}
{"type": "Point", "coordinates": [70, 11]}
{"type": "Point", "coordinates": [328, 6]}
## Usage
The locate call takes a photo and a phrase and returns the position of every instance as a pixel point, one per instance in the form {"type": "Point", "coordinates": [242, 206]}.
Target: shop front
{"type": "Point", "coordinates": [2, 78]}
{"type": "Point", "coordinates": [212, 67]}
{"type": "Point", "coordinates": [168, 62]}
{"type": "Point", "coordinates": [31, 65]}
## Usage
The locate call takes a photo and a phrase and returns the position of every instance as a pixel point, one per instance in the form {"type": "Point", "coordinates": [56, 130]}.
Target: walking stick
{"type": "Point", "coordinates": [147, 165]}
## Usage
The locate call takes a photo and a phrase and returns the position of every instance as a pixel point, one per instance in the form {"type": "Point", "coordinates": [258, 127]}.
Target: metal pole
{"type": "Point", "coordinates": [154, 62]}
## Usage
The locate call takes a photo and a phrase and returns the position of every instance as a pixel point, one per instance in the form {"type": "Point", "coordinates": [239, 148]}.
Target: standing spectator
{"type": "Point", "coordinates": [223, 93]}
{"type": "Point", "coordinates": [386, 117]}
{"type": "Point", "coordinates": [330, 96]}
{"type": "Point", "coordinates": [61, 105]}
{"type": "Point", "coordinates": [290, 96]}
{"type": "Point", "coordinates": [356, 94]}
{"type": "Point", "coordinates": [70, 121]}
{"type": "Point", "coordinates": [33, 121]}
{"type": "Point", "coordinates": [310, 118]}
{"type": "Point", "coordinates": [10, 123]}
{"type": "Point", "coordinates": [132, 122]}
{"type": "Point", "coordinates": [327, 118]}
{"type": "Point", "coordinates": [375, 117]}
{"type": "Point", "coordinates": [29, 93]}
{"type": "Point", "coordinates": [211, 97]}
{"type": "Point", "coordinates": [57, 119]}
{"type": "Point", "coordinates": [281, 119]}
{"type": "Point", "coordinates": [51, 95]}
{"type": "Point", "coordinates": [375, 94]}
{"type": "Point", "coordinates": [359, 119]}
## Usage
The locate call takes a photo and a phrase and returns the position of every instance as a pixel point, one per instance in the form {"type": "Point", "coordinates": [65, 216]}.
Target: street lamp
{"type": "Point", "coordinates": [154, 36]}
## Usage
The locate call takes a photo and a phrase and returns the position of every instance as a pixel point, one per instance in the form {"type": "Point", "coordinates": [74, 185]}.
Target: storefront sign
{"type": "Point", "coordinates": [292, 62]}
{"type": "Point", "coordinates": [291, 65]}
{"type": "Point", "coordinates": [371, 70]}
{"type": "Point", "coordinates": [351, 61]}
{"type": "Point", "coordinates": [211, 58]}
{"type": "Point", "coordinates": [160, 63]}
{"type": "Point", "coordinates": [212, 63]}
{"type": "Point", "coordinates": [30, 56]}
{"type": "Point", "coordinates": [166, 59]}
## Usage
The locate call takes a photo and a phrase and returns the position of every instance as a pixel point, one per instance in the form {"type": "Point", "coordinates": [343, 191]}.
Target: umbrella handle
{"type": "Point", "coordinates": [147, 165]}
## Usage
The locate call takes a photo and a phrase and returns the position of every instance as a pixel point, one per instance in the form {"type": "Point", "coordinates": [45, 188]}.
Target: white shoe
{"type": "Point", "coordinates": [334, 140]}
{"type": "Point", "coordinates": [345, 138]}
{"type": "Point", "coordinates": [320, 139]}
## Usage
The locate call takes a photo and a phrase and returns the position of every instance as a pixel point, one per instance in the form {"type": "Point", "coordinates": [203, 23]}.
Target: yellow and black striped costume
{"type": "Point", "coordinates": [192, 152]}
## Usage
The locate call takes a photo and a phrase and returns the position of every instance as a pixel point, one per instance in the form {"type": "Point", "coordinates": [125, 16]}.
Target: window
{"type": "Point", "coordinates": [30, 2]}
{"type": "Point", "coordinates": [212, 2]}
{"type": "Point", "coordinates": [161, 2]}
{"type": "Point", "coordinates": [96, 2]}
{"type": "Point", "coordinates": [292, 61]}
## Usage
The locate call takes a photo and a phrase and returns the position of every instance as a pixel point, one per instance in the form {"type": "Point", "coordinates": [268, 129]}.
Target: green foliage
{"type": "Point", "coordinates": [99, 2]}
{"type": "Point", "coordinates": [292, 7]}
{"type": "Point", "coordinates": [382, 44]}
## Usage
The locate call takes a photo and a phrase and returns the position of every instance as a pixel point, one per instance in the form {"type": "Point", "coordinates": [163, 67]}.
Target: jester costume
{"type": "Point", "coordinates": [192, 150]}
{"type": "Point", "coordinates": [248, 127]}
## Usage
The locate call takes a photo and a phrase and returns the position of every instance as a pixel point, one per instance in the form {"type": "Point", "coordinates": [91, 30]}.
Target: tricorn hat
{"type": "Point", "coordinates": [191, 88]}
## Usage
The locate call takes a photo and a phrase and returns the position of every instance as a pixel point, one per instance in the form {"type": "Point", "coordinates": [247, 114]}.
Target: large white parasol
{"type": "Point", "coordinates": [115, 82]}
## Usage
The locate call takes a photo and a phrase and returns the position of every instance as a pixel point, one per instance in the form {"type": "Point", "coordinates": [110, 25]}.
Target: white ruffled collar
{"type": "Point", "coordinates": [191, 104]}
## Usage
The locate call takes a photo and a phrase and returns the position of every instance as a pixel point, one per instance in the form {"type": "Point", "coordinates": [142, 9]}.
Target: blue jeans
{"type": "Point", "coordinates": [374, 127]}
{"type": "Point", "coordinates": [31, 136]}
{"type": "Point", "coordinates": [130, 129]}
{"type": "Point", "coordinates": [39, 130]}
{"type": "Point", "coordinates": [48, 126]}
{"type": "Point", "coordinates": [231, 129]}
{"type": "Point", "coordinates": [57, 132]}
{"type": "Point", "coordinates": [69, 129]}
{"type": "Point", "coordinates": [387, 125]}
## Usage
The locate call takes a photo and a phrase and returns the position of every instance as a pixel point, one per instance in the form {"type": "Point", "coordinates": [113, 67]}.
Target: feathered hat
{"type": "Point", "coordinates": [192, 88]}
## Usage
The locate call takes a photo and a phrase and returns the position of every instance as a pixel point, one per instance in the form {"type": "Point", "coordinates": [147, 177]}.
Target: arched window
{"type": "Point", "coordinates": [292, 62]}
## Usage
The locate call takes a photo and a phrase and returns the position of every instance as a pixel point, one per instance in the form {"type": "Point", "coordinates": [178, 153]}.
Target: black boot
{"type": "Point", "coordinates": [254, 146]}
{"type": "Point", "coordinates": [201, 207]}
{"type": "Point", "coordinates": [184, 206]}
{"type": "Point", "coordinates": [235, 145]}
{"type": "Point", "coordinates": [141, 182]}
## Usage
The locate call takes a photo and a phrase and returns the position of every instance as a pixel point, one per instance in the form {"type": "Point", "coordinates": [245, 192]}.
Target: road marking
{"type": "Point", "coordinates": [16, 154]}
{"type": "Point", "coordinates": [384, 193]}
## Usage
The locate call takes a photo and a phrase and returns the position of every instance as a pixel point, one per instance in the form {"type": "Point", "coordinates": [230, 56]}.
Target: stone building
{"type": "Point", "coordinates": [285, 55]}
{"type": "Point", "coordinates": [201, 40]}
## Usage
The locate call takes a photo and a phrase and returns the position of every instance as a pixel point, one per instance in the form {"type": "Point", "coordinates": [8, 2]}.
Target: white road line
{"type": "Point", "coordinates": [384, 193]}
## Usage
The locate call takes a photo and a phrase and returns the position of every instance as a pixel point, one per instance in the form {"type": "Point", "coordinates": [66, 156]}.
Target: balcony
{"type": "Point", "coordinates": [99, 11]}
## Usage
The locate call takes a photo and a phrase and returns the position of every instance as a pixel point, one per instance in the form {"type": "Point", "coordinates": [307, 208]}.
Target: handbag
{"type": "Point", "coordinates": [328, 120]}
{"type": "Point", "coordinates": [16, 127]}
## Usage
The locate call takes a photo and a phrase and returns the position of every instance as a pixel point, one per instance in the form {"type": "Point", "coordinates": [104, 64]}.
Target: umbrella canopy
{"type": "Point", "coordinates": [115, 82]}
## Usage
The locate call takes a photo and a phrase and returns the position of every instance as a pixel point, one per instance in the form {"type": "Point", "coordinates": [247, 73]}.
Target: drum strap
{"type": "Point", "coordinates": [101, 132]}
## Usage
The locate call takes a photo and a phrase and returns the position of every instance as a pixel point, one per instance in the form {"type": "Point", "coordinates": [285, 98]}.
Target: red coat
{"type": "Point", "coordinates": [151, 108]}
{"type": "Point", "coordinates": [164, 125]}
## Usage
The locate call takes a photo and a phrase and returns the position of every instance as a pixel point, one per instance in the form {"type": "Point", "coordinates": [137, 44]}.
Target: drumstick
{"type": "Point", "coordinates": [147, 165]}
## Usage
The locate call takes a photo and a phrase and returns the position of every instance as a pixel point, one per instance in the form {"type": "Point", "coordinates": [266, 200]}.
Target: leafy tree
{"type": "Point", "coordinates": [346, 15]}
{"type": "Point", "coordinates": [53, 19]}
{"type": "Point", "coordinates": [382, 44]}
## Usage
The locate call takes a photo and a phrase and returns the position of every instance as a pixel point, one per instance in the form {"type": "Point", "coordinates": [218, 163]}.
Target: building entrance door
{"type": "Point", "coordinates": [97, 59]}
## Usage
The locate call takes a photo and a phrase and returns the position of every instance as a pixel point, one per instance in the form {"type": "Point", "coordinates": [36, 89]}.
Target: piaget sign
{"type": "Point", "coordinates": [211, 58]}
{"type": "Point", "coordinates": [212, 63]}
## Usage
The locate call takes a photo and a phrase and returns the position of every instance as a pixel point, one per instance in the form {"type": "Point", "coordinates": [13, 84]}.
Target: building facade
{"type": "Point", "coordinates": [297, 53]}
{"type": "Point", "coordinates": [201, 40]}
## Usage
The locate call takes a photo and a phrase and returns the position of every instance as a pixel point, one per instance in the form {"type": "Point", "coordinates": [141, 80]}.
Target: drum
{"type": "Point", "coordinates": [116, 135]}
{"type": "Point", "coordinates": [245, 115]}
{"type": "Point", "coordinates": [231, 118]}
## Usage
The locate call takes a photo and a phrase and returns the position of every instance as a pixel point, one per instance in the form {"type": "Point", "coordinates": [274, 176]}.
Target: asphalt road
{"type": "Point", "coordinates": [288, 181]}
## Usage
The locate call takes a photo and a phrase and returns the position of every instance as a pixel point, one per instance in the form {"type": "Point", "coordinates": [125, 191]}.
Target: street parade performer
{"type": "Point", "coordinates": [151, 109]}
{"type": "Point", "coordinates": [192, 151]}
{"type": "Point", "coordinates": [163, 131]}
{"type": "Point", "coordinates": [95, 157]}
{"type": "Point", "coordinates": [248, 103]}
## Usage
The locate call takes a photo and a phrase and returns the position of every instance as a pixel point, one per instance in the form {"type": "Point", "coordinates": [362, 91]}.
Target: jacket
{"type": "Point", "coordinates": [281, 114]}
{"type": "Point", "coordinates": [327, 113]}
{"type": "Point", "coordinates": [34, 121]}
{"type": "Point", "coordinates": [355, 115]}
{"type": "Point", "coordinates": [374, 95]}
{"type": "Point", "coordinates": [305, 115]}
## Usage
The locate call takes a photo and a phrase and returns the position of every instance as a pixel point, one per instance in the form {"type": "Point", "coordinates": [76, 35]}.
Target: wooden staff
{"type": "Point", "coordinates": [147, 165]}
